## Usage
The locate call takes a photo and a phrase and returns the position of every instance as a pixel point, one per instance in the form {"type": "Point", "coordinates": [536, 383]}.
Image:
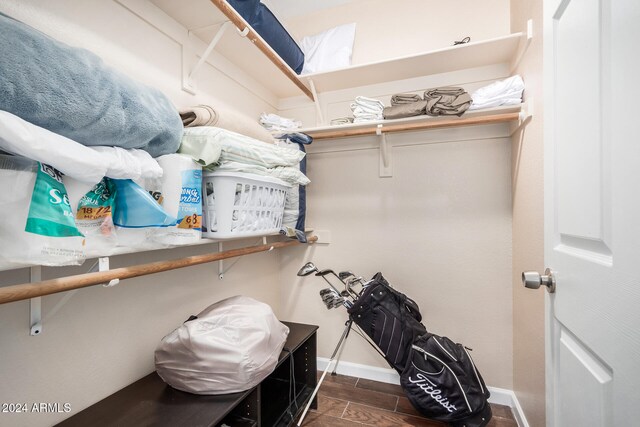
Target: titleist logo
{"type": "Point", "coordinates": [430, 388]}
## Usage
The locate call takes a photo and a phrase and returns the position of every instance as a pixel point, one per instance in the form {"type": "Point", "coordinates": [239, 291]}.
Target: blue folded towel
{"type": "Point", "coordinates": [72, 92]}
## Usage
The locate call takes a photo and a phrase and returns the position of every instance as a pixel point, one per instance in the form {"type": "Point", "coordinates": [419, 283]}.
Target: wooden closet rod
{"type": "Point", "coordinates": [62, 284]}
{"type": "Point", "coordinates": [259, 42]}
{"type": "Point", "coordinates": [426, 124]}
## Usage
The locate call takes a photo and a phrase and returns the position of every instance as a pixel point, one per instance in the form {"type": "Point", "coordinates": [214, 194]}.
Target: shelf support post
{"type": "Point", "coordinates": [385, 158]}
{"type": "Point", "coordinates": [524, 117]}
{"type": "Point", "coordinates": [187, 80]}
{"type": "Point", "coordinates": [103, 265]}
{"type": "Point", "coordinates": [524, 45]}
{"type": "Point", "coordinates": [316, 101]}
{"type": "Point", "coordinates": [35, 304]}
{"type": "Point", "coordinates": [220, 263]}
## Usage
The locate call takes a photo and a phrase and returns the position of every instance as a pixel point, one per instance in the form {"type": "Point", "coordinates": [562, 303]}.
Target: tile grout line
{"type": "Point", "coordinates": [345, 409]}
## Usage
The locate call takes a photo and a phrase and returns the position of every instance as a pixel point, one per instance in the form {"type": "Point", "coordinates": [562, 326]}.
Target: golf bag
{"type": "Point", "coordinates": [437, 375]}
{"type": "Point", "coordinates": [442, 382]}
{"type": "Point", "coordinates": [390, 319]}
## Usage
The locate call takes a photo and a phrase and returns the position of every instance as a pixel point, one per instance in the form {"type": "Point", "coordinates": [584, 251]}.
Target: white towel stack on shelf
{"type": "Point", "coordinates": [366, 109]}
{"type": "Point", "coordinates": [503, 92]}
{"type": "Point", "coordinates": [275, 123]}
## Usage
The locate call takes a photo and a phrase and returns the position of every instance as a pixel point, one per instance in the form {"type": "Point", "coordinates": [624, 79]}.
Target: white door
{"type": "Point", "coordinates": [592, 211]}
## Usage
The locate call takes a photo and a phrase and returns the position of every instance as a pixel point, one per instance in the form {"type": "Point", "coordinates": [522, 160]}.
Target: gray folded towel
{"type": "Point", "coordinates": [341, 121]}
{"type": "Point", "coordinates": [405, 110]}
{"type": "Point", "coordinates": [447, 101]}
{"type": "Point", "coordinates": [404, 98]}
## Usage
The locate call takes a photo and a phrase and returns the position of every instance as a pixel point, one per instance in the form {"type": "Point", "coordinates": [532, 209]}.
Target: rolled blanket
{"type": "Point", "coordinates": [73, 93]}
{"type": "Point", "coordinates": [405, 110]}
{"type": "Point", "coordinates": [447, 101]}
{"type": "Point", "coordinates": [404, 98]}
{"type": "Point", "coordinates": [225, 118]}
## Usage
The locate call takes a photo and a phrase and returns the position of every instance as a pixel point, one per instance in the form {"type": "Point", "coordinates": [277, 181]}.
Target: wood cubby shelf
{"type": "Point", "coordinates": [275, 402]}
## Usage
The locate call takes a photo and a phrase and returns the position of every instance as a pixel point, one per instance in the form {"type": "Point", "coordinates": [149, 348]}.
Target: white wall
{"type": "Point", "coordinates": [440, 228]}
{"type": "Point", "coordinates": [389, 29]}
{"type": "Point", "coordinates": [103, 338]}
{"type": "Point", "coordinates": [528, 227]}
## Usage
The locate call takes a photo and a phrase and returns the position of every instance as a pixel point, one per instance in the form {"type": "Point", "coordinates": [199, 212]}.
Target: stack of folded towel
{"type": "Point", "coordinates": [341, 121]}
{"type": "Point", "coordinates": [446, 101]}
{"type": "Point", "coordinates": [276, 123]}
{"type": "Point", "coordinates": [366, 109]}
{"type": "Point", "coordinates": [442, 101]}
{"type": "Point", "coordinates": [405, 98]}
{"type": "Point", "coordinates": [405, 105]}
{"type": "Point", "coordinates": [283, 128]}
{"type": "Point", "coordinates": [504, 92]}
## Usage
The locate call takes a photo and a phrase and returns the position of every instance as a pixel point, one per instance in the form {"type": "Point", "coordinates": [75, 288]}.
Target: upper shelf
{"type": "Point", "coordinates": [501, 50]}
{"type": "Point", "coordinates": [203, 19]}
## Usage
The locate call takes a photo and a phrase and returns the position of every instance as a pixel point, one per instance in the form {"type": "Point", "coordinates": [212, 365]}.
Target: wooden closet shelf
{"type": "Point", "coordinates": [62, 284]}
{"type": "Point", "coordinates": [261, 44]}
{"type": "Point", "coordinates": [203, 18]}
{"type": "Point", "coordinates": [499, 115]}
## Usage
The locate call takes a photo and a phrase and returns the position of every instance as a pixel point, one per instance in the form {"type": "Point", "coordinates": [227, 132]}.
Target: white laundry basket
{"type": "Point", "coordinates": [241, 205]}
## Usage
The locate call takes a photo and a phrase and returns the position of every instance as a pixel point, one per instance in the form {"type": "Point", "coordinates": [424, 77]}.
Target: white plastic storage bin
{"type": "Point", "coordinates": [241, 205]}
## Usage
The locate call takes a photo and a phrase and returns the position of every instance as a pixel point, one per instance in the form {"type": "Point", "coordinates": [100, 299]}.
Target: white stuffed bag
{"type": "Point", "coordinates": [230, 347]}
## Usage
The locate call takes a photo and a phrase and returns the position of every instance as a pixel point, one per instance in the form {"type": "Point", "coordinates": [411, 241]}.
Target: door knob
{"type": "Point", "coordinates": [533, 280]}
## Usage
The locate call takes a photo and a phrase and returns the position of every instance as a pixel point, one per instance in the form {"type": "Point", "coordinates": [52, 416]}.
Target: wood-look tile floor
{"type": "Point", "coordinates": [347, 401]}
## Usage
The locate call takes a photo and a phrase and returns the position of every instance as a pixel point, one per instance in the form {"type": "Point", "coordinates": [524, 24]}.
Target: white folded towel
{"type": "Point", "coordinates": [366, 109]}
{"type": "Point", "coordinates": [363, 101]}
{"type": "Point", "coordinates": [503, 92]}
{"type": "Point", "coordinates": [274, 122]}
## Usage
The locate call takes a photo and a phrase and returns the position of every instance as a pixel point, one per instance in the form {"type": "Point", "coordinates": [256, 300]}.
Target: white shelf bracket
{"type": "Point", "coordinates": [316, 102]}
{"type": "Point", "coordinates": [385, 157]}
{"type": "Point", "coordinates": [220, 263]}
{"type": "Point", "coordinates": [187, 78]}
{"type": "Point", "coordinates": [524, 45]}
{"type": "Point", "coordinates": [244, 32]}
{"type": "Point", "coordinates": [525, 116]}
{"type": "Point", "coordinates": [35, 304]}
{"type": "Point", "coordinates": [221, 269]}
{"type": "Point", "coordinates": [103, 265]}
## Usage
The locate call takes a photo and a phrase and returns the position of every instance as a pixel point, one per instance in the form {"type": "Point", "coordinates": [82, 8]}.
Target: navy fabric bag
{"type": "Point", "coordinates": [271, 30]}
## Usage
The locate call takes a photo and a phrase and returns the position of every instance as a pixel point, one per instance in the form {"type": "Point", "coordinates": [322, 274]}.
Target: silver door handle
{"type": "Point", "coordinates": [533, 280]}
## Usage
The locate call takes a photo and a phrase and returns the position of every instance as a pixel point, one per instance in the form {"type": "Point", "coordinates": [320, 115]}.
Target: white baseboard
{"type": "Point", "coordinates": [499, 396]}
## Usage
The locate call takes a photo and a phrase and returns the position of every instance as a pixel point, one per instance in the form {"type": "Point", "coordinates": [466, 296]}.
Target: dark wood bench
{"type": "Point", "coordinates": [276, 401]}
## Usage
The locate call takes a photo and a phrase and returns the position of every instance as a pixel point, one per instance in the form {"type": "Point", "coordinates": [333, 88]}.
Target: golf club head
{"type": "Point", "coordinates": [307, 269]}
{"type": "Point", "coordinates": [337, 302]}
{"type": "Point", "coordinates": [329, 295]}
{"type": "Point", "coordinates": [325, 291]}
{"type": "Point", "coordinates": [344, 274]}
